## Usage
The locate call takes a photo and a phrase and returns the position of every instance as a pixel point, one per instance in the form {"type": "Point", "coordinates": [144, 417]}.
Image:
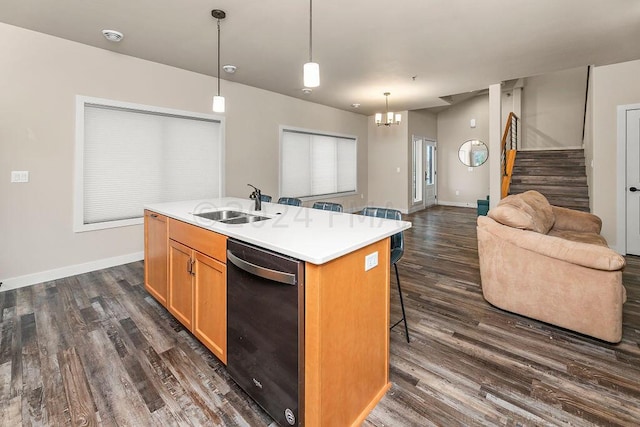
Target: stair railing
{"type": "Point", "coordinates": [508, 153]}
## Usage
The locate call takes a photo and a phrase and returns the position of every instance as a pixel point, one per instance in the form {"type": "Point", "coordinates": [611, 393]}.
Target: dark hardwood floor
{"type": "Point", "coordinates": [96, 349]}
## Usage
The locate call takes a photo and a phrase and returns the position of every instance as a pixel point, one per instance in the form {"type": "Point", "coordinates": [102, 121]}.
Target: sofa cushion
{"type": "Point", "coordinates": [528, 211]}
{"type": "Point", "coordinates": [577, 236]}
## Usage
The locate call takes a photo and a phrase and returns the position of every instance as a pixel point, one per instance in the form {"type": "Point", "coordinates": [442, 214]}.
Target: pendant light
{"type": "Point", "coordinates": [390, 117]}
{"type": "Point", "coordinates": [311, 70]}
{"type": "Point", "coordinates": [218, 100]}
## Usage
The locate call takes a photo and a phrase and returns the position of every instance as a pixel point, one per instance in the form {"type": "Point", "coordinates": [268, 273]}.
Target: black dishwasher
{"type": "Point", "coordinates": [265, 335]}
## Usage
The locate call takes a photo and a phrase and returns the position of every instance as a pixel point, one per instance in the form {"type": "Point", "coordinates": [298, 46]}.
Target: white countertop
{"type": "Point", "coordinates": [312, 235]}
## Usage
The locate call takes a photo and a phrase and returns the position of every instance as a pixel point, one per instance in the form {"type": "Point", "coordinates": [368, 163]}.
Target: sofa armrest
{"type": "Point", "coordinates": [579, 253]}
{"type": "Point", "coordinates": [572, 220]}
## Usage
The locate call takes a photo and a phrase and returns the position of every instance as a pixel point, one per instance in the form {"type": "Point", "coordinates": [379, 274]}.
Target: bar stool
{"type": "Point", "coordinates": [328, 206]}
{"type": "Point", "coordinates": [397, 250]}
{"type": "Point", "coordinates": [292, 201]}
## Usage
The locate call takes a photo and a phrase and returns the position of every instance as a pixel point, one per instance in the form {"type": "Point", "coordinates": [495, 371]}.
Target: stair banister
{"type": "Point", "coordinates": [508, 155]}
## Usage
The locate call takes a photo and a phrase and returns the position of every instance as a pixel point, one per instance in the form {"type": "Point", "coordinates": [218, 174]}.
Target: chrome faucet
{"type": "Point", "coordinates": [257, 196]}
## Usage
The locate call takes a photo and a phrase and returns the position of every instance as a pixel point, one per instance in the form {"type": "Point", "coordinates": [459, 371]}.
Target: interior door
{"type": "Point", "coordinates": [633, 181]}
{"type": "Point", "coordinates": [430, 187]}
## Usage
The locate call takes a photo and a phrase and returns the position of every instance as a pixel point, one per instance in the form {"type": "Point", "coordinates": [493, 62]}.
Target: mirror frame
{"type": "Point", "coordinates": [467, 155]}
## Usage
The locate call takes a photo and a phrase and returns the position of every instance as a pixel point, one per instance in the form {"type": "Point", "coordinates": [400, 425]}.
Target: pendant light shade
{"type": "Point", "coordinates": [218, 100]}
{"type": "Point", "coordinates": [218, 104]}
{"type": "Point", "coordinates": [311, 70]}
{"type": "Point", "coordinates": [311, 74]}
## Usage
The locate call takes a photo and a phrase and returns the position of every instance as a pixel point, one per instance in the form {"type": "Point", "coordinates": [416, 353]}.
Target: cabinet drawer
{"type": "Point", "coordinates": [204, 241]}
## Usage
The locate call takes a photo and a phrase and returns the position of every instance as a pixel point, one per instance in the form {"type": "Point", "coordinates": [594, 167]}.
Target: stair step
{"type": "Point", "coordinates": [550, 162]}
{"type": "Point", "coordinates": [551, 153]}
{"type": "Point", "coordinates": [549, 171]}
{"type": "Point", "coordinates": [552, 188]}
{"type": "Point", "coordinates": [580, 180]}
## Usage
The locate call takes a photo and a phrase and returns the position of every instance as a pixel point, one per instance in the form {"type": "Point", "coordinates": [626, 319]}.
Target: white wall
{"type": "Point", "coordinates": [453, 130]}
{"type": "Point", "coordinates": [613, 85]}
{"type": "Point", "coordinates": [553, 109]}
{"type": "Point", "coordinates": [388, 165]}
{"type": "Point", "coordinates": [41, 75]}
{"type": "Point", "coordinates": [424, 124]}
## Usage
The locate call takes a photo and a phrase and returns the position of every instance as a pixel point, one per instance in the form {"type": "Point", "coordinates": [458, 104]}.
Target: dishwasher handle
{"type": "Point", "coordinates": [265, 273]}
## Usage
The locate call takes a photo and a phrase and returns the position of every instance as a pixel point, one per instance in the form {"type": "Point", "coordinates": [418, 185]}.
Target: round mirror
{"type": "Point", "coordinates": [473, 153]}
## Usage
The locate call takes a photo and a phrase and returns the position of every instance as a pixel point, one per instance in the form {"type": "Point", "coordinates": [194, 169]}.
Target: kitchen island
{"type": "Point", "coordinates": [344, 305]}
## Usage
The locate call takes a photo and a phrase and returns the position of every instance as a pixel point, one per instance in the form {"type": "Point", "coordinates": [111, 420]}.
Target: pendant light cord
{"type": "Point", "coordinates": [218, 57]}
{"type": "Point", "coordinates": [310, 30]}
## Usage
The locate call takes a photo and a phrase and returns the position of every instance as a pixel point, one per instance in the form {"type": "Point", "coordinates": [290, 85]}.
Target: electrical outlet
{"type": "Point", "coordinates": [370, 261]}
{"type": "Point", "coordinates": [19, 176]}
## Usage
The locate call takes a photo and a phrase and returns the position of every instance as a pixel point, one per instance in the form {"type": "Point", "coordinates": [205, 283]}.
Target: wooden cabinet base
{"type": "Point", "coordinates": [346, 337]}
{"type": "Point", "coordinates": [156, 255]}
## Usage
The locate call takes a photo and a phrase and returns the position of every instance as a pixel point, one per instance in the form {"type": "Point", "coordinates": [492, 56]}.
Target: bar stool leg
{"type": "Point", "coordinates": [404, 316]}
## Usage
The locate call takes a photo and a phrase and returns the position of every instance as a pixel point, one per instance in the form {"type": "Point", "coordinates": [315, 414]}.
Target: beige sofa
{"type": "Point", "coordinates": [551, 264]}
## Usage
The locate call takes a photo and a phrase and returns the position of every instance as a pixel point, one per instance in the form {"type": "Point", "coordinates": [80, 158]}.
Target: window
{"type": "Point", "coordinates": [129, 155]}
{"type": "Point", "coordinates": [317, 164]}
{"type": "Point", "coordinates": [429, 165]}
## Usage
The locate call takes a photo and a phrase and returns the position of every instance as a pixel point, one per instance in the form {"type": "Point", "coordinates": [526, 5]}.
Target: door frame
{"type": "Point", "coordinates": [621, 178]}
{"type": "Point", "coordinates": [416, 206]}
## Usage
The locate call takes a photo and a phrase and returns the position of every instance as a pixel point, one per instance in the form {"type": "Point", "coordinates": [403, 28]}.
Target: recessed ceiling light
{"type": "Point", "coordinates": [307, 90]}
{"type": "Point", "coordinates": [355, 105]}
{"type": "Point", "coordinates": [112, 35]}
{"type": "Point", "coordinates": [229, 68]}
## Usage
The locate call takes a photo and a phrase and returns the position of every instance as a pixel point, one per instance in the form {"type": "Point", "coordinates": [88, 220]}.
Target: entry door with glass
{"type": "Point", "coordinates": [424, 171]}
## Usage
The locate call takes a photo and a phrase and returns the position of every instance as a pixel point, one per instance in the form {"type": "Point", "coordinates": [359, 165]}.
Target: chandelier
{"type": "Point", "coordinates": [391, 118]}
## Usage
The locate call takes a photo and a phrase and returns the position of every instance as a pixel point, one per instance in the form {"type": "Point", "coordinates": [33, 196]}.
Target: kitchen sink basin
{"type": "Point", "coordinates": [245, 219]}
{"type": "Point", "coordinates": [220, 215]}
{"type": "Point", "coordinates": [231, 217]}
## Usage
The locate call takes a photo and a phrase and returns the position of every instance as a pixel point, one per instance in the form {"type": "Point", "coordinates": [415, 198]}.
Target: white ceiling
{"type": "Point", "coordinates": [419, 50]}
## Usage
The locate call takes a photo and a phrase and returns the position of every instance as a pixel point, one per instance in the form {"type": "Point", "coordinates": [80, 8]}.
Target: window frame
{"type": "Point", "coordinates": [285, 128]}
{"type": "Point", "coordinates": [78, 194]}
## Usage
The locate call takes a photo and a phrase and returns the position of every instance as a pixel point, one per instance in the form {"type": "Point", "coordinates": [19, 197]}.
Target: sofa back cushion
{"type": "Point", "coordinates": [527, 211]}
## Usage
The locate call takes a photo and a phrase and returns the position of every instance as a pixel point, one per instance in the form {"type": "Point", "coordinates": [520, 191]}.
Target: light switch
{"type": "Point", "coordinates": [472, 123]}
{"type": "Point", "coordinates": [19, 176]}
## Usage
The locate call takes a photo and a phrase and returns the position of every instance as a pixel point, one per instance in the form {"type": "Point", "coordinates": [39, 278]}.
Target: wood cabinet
{"type": "Point", "coordinates": [345, 315]}
{"type": "Point", "coordinates": [210, 309]}
{"type": "Point", "coordinates": [156, 267]}
{"type": "Point", "coordinates": [198, 284]}
{"type": "Point", "coordinates": [180, 302]}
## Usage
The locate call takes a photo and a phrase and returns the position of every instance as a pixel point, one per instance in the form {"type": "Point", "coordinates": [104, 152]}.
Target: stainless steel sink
{"type": "Point", "coordinates": [220, 215]}
{"type": "Point", "coordinates": [231, 217]}
{"type": "Point", "coordinates": [245, 219]}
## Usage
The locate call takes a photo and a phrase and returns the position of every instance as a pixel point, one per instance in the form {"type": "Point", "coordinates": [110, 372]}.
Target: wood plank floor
{"type": "Point", "coordinates": [96, 349]}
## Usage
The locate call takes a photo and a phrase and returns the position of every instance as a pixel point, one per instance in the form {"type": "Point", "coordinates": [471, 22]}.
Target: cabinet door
{"type": "Point", "coordinates": [210, 317]}
{"type": "Point", "coordinates": [155, 256]}
{"type": "Point", "coordinates": [180, 302]}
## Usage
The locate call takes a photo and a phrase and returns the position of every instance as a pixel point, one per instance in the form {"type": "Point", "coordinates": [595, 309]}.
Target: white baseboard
{"type": "Point", "coordinates": [459, 204]}
{"type": "Point", "coordinates": [71, 270]}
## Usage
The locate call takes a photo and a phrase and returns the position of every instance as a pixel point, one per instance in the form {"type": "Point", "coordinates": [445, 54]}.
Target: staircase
{"type": "Point", "coordinates": [558, 174]}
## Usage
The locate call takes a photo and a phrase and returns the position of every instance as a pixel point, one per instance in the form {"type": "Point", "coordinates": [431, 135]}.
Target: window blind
{"type": "Point", "coordinates": [136, 157]}
{"type": "Point", "coordinates": [315, 164]}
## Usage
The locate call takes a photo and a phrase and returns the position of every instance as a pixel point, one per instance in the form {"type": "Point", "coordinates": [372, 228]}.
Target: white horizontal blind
{"type": "Point", "coordinates": [314, 164]}
{"type": "Point", "coordinates": [136, 157]}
